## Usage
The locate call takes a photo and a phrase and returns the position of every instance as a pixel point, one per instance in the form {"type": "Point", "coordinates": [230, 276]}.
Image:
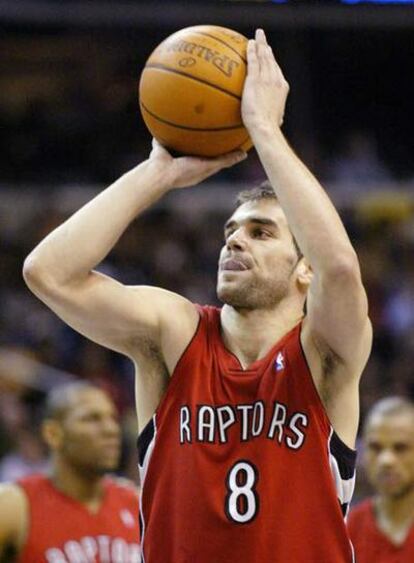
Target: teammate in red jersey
{"type": "Point", "coordinates": [382, 528]}
{"type": "Point", "coordinates": [247, 414]}
{"type": "Point", "coordinates": [75, 513]}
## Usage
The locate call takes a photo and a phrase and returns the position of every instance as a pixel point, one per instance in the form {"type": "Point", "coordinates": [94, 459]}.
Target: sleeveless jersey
{"type": "Point", "coordinates": [62, 530]}
{"type": "Point", "coordinates": [243, 466]}
{"type": "Point", "coordinates": [371, 544]}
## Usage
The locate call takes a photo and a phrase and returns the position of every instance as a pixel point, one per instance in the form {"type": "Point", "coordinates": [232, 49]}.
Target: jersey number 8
{"type": "Point", "coordinates": [242, 501]}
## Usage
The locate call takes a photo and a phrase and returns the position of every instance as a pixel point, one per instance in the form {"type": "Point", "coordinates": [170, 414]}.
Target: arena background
{"type": "Point", "coordinates": [70, 124]}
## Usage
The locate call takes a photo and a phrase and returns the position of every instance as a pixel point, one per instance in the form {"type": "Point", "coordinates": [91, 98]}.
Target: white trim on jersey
{"type": "Point", "coordinates": [142, 473]}
{"type": "Point", "coordinates": [344, 487]}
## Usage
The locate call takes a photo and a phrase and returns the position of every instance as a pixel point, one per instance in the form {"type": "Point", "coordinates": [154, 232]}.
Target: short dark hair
{"type": "Point", "coordinates": [390, 406]}
{"type": "Point", "coordinates": [60, 399]}
{"type": "Point", "coordinates": [263, 191]}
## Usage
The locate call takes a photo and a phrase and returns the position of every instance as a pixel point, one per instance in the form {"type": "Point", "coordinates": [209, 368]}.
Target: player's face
{"type": "Point", "coordinates": [91, 433]}
{"type": "Point", "coordinates": [258, 261]}
{"type": "Point", "coordinates": [389, 454]}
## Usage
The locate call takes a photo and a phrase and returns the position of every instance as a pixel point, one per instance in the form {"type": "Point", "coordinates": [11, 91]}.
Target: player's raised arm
{"type": "Point", "coordinates": [60, 270]}
{"type": "Point", "coordinates": [337, 321]}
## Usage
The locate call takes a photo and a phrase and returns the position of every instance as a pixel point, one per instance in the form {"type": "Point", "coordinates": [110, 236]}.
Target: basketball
{"type": "Point", "coordinates": [190, 91]}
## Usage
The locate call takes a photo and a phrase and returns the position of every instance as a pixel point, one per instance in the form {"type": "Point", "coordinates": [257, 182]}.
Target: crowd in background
{"type": "Point", "coordinates": [88, 134]}
{"type": "Point", "coordinates": [177, 249]}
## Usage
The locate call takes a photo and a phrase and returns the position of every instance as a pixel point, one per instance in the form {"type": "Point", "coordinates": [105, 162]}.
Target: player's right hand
{"type": "Point", "coordinates": [265, 88]}
{"type": "Point", "coordinates": [186, 171]}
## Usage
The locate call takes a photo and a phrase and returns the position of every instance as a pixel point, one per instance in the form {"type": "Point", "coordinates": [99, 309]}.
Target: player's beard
{"type": "Point", "coordinates": [400, 492]}
{"type": "Point", "coordinates": [253, 294]}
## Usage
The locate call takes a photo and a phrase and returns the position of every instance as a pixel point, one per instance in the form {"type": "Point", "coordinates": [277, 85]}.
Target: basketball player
{"type": "Point", "coordinates": [382, 528]}
{"type": "Point", "coordinates": [74, 514]}
{"type": "Point", "coordinates": [248, 414]}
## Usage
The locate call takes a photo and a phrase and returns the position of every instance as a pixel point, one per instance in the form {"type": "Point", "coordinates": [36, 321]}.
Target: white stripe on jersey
{"type": "Point", "coordinates": [142, 473]}
{"type": "Point", "coordinates": [344, 487]}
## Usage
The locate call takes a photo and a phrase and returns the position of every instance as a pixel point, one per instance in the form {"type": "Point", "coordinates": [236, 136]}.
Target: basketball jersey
{"type": "Point", "coordinates": [62, 530]}
{"type": "Point", "coordinates": [242, 465]}
{"type": "Point", "coordinates": [371, 544]}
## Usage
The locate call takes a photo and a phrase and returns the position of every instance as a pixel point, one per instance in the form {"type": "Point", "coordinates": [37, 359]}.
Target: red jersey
{"type": "Point", "coordinates": [371, 544]}
{"type": "Point", "coordinates": [242, 466]}
{"type": "Point", "coordinates": [62, 530]}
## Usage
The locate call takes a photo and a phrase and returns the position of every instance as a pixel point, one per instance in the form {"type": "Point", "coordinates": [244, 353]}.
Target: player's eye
{"type": "Point", "coordinates": [374, 447]}
{"type": "Point", "coordinates": [261, 233]}
{"type": "Point", "coordinates": [93, 417]}
{"type": "Point", "coordinates": [400, 447]}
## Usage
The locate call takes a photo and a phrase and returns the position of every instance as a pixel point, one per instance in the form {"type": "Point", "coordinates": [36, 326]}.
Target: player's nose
{"type": "Point", "coordinates": [110, 427]}
{"type": "Point", "coordinates": [237, 240]}
{"type": "Point", "coordinates": [386, 458]}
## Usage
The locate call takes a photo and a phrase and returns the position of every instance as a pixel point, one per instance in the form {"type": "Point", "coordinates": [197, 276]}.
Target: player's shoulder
{"type": "Point", "coordinates": [361, 510]}
{"type": "Point", "coordinates": [10, 491]}
{"type": "Point", "coordinates": [170, 306]}
{"type": "Point", "coordinates": [13, 501]}
{"type": "Point", "coordinates": [34, 485]}
{"type": "Point", "coordinates": [122, 485]}
{"type": "Point", "coordinates": [35, 479]}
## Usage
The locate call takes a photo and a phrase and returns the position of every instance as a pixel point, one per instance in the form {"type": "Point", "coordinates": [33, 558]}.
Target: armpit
{"type": "Point", "coordinates": [330, 361]}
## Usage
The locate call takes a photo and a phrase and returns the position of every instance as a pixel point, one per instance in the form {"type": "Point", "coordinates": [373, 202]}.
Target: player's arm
{"type": "Point", "coordinates": [337, 322]}
{"type": "Point", "coordinates": [13, 521]}
{"type": "Point", "coordinates": [60, 270]}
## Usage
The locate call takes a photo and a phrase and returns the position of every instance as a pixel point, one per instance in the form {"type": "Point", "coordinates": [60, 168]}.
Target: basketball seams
{"type": "Point", "coordinates": [191, 90]}
{"type": "Point", "coordinates": [187, 128]}
{"type": "Point", "coordinates": [160, 66]}
{"type": "Point", "coordinates": [223, 43]}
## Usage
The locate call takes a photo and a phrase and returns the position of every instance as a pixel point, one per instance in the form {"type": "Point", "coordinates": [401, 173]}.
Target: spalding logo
{"type": "Point", "coordinates": [223, 63]}
{"type": "Point", "coordinates": [186, 62]}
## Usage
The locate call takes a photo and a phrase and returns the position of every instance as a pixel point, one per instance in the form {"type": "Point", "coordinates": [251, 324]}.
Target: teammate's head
{"type": "Point", "coordinates": [81, 428]}
{"type": "Point", "coordinates": [260, 263]}
{"type": "Point", "coordinates": [389, 446]}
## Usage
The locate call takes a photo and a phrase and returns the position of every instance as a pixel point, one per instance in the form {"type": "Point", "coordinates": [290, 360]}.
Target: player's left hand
{"type": "Point", "coordinates": [187, 171]}
{"type": "Point", "coordinates": [265, 88]}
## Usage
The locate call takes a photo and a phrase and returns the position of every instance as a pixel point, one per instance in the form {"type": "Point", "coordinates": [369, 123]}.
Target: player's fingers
{"type": "Point", "coordinates": [274, 72]}
{"type": "Point", "coordinates": [260, 36]}
{"type": "Point", "coordinates": [158, 149]}
{"type": "Point", "coordinates": [229, 159]}
{"type": "Point", "coordinates": [252, 62]}
{"type": "Point", "coordinates": [261, 50]}
{"type": "Point", "coordinates": [269, 69]}
{"type": "Point", "coordinates": [278, 73]}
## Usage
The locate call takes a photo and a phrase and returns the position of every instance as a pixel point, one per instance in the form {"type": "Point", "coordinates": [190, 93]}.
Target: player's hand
{"type": "Point", "coordinates": [265, 88]}
{"type": "Point", "coordinates": [185, 171]}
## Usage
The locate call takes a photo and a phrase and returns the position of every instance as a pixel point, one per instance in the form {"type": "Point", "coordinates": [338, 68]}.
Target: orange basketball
{"type": "Point", "coordinates": [190, 91]}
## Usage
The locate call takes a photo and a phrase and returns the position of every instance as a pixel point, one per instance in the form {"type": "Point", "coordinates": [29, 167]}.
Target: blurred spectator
{"type": "Point", "coordinates": [382, 527]}
{"type": "Point", "coordinates": [93, 514]}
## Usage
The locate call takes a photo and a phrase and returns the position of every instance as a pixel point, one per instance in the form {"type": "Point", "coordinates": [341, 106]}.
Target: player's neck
{"type": "Point", "coordinates": [249, 334]}
{"type": "Point", "coordinates": [84, 488]}
{"type": "Point", "coordinates": [395, 510]}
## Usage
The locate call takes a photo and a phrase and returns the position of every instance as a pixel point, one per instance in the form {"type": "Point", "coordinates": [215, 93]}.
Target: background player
{"type": "Point", "coordinates": [382, 528]}
{"type": "Point", "coordinates": [291, 365]}
{"type": "Point", "coordinates": [74, 513]}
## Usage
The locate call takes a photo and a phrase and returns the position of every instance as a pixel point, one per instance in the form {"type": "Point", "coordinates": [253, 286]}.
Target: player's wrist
{"type": "Point", "coordinates": [159, 175]}
{"type": "Point", "coordinates": [263, 132]}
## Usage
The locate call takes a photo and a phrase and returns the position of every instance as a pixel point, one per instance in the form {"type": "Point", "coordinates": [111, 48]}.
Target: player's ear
{"type": "Point", "coordinates": [52, 433]}
{"type": "Point", "coordinates": [304, 274]}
